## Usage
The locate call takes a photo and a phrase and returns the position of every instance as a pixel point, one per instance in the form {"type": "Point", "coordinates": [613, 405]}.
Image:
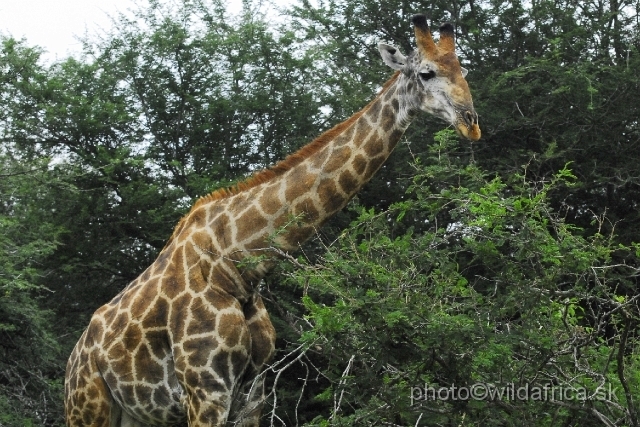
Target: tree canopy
{"type": "Point", "coordinates": [506, 266]}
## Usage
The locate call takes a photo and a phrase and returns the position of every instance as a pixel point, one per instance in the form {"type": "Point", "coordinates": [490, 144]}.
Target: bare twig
{"type": "Point", "coordinates": [343, 379]}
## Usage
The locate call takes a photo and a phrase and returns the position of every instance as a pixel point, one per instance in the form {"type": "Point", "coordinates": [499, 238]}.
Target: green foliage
{"type": "Point", "coordinates": [497, 289]}
{"type": "Point", "coordinates": [29, 353]}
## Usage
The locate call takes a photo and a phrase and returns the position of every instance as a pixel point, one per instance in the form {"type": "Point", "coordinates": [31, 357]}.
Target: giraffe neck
{"type": "Point", "coordinates": [302, 199]}
{"type": "Point", "coordinates": [284, 206]}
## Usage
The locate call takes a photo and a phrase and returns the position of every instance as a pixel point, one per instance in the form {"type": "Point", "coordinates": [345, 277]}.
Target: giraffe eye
{"type": "Point", "coordinates": [428, 75]}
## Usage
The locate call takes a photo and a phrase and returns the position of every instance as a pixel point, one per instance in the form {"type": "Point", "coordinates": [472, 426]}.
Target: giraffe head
{"type": "Point", "coordinates": [439, 87]}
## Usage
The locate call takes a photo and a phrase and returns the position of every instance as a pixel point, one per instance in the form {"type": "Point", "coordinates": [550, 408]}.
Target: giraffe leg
{"type": "Point", "coordinates": [127, 420]}
{"type": "Point", "coordinates": [88, 401]}
{"type": "Point", "coordinates": [209, 367]}
{"type": "Point", "coordinates": [249, 400]}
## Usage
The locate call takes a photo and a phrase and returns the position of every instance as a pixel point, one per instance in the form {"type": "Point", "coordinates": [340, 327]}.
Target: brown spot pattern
{"type": "Point", "coordinates": [157, 317]}
{"type": "Point", "coordinates": [348, 182]}
{"type": "Point", "coordinates": [301, 181]}
{"type": "Point", "coordinates": [373, 166]}
{"type": "Point", "coordinates": [132, 337]}
{"type": "Point", "coordinates": [359, 164]}
{"type": "Point", "coordinates": [143, 393]}
{"type": "Point", "coordinates": [197, 283]}
{"type": "Point", "coordinates": [230, 327]}
{"type": "Point", "coordinates": [318, 159]}
{"type": "Point", "coordinates": [250, 222]}
{"type": "Point", "coordinates": [308, 210]}
{"type": "Point", "coordinates": [158, 342]}
{"type": "Point", "coordinates": [198, 217]}
{"type": "Point", "coordinates": [364, 129]}
{"type": "Point", "coordinates": [170, 287]}
{"type": "Point", "coordinates": [328, 193]}
{"type": "Point", "coordinates": [200, 356]}
{"type": "Point", "coordinates": [177, 320]}
{"type": "Point", "coordinates": [203, 318]}
{"type": "Point", "coordinates": [161, 262]}
{"type": "Point", "coordinates": [374, 111]}
{"type": "Point", "coordinates": [374, 146]}
{"type": "Point", "coordinates": [220, 229]}
{"type": "Point", "coordinates": [298, 235]}
{"type": "Point", "coordinates": [145, 297]}
{"type": "Point", "coordinates": [339, 157]}
{"type": "Point", "coordinates": [269, 202]}
{"type": "Point", "coordinates": [388, 118]}
{"type": "Point", "coordinates": [147, 369]}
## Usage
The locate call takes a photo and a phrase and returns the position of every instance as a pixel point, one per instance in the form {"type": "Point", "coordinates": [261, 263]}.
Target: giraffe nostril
{"type": "Point", "coordinates": [470, 117]}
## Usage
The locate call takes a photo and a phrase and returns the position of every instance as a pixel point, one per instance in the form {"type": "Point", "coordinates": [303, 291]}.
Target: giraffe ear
{"type": "Point", "coordinates": [392, 56]}
{"type": "Point", "coordinates": [464, 72]}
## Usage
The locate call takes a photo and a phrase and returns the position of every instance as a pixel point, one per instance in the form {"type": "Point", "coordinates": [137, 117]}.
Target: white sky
{"type": "Point", "coordinates": [54, 24]}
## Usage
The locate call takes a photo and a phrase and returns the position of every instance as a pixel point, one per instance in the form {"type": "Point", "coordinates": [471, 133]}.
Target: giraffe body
{"type": "Point", "coordinates": [187, 340]}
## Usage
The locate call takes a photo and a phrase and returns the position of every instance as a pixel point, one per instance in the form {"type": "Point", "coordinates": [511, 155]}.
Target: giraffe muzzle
{"type": "Point", "coordinates": [467, 124]}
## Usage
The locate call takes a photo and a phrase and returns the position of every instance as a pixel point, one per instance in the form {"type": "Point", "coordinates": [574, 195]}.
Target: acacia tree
{"type": "Point", "coordinates": [30, 374]}
{"type": "Point", "coordinates": [30, 383]}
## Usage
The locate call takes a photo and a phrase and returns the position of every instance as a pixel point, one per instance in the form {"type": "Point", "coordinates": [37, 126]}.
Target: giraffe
{"type": "Point", "coordinates": [186, 341]}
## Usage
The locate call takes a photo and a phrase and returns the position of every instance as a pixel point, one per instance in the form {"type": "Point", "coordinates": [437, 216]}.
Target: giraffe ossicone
{"type": "Point", "coordinates": [187, 340]}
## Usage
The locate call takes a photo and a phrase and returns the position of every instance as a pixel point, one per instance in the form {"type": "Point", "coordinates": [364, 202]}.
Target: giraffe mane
{"type": "Point", "coordinates": [282, 166]}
